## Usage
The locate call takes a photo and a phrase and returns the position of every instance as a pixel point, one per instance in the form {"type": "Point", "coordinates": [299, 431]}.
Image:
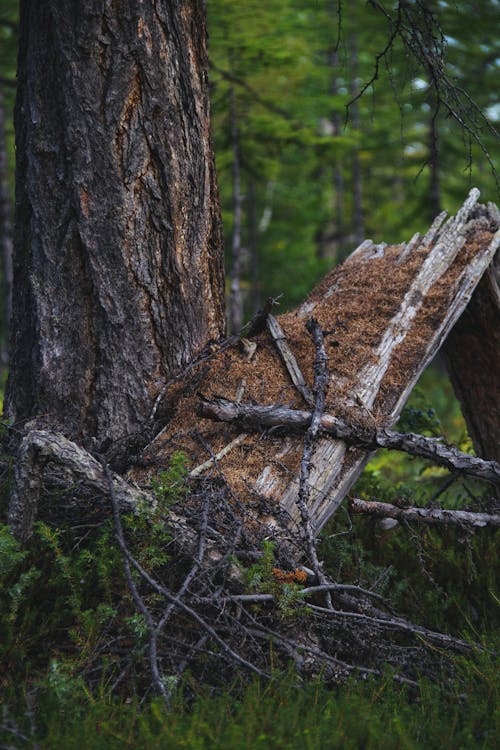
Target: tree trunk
{"type": "Point", "coordinates": [118, 250]}
{"type": "Point", "coordinates": [472, 355]}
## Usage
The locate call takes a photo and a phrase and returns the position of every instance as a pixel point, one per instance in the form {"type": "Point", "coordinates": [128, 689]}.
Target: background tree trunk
{"type": "Point", "coordinates": [472, 355]}
{"type": "Point", "coordinates": [118, 249]}
{"type": "Point", "coordinates": [235, 299]}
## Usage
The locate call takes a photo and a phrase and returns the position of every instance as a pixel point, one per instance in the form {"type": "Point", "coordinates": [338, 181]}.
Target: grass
{"type": "Point", "coordinates": [366, 715]}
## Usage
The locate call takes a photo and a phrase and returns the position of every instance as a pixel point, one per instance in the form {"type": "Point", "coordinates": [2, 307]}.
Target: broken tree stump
{"type": "Point", "coordinates": [384, 314]}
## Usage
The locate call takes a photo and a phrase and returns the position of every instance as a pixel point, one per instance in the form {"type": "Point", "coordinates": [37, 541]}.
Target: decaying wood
{"type": "Point", "coordinates": [289, 360]}
{"type": "Point", "coordinates": [320, 384]}
{"type": "Point", "coordinates": [257, 417]}
{"type": "Point", "coordinates": [41, 447]}
{"type": "Point", "coordinates": [335, 471]}
{"type": "Point", "coordinates": [384, 315]}
{"type": "Point", "coordinates": [435, 516]}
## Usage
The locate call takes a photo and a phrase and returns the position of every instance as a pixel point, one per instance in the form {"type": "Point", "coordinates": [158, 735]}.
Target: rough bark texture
{"type": "Point", "coordinates": [118, 257]}
{"type": "Point", "coordinates": [472, 353]}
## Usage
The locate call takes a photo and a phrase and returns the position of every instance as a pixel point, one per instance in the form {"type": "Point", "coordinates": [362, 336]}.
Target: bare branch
{"type": "Point", "coordinates": [252, 416]}
{"type": "Point", "coordinates": [289, 360]}
{"type": "Point", "coordinates": [436, 516]}
{"type": "Point", "coordinates": [320, 385]}
{"type": "Point", "coordinates": [138, 600]}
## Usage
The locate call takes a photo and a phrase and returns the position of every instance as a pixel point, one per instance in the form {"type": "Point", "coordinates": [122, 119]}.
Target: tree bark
{"type": "Point", "coordinates": [118, 249]}
{"type": "Point", "coordinates": [472, 355]}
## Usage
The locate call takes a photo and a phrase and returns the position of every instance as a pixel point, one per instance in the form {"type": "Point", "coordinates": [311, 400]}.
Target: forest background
{"type": "Point", "coordinates": [307, 169]}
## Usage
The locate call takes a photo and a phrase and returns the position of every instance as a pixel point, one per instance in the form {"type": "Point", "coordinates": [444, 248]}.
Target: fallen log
{"type": "Point", "coordinates": [434, 516]}
{"type": "Point", "coordinates": [384, 314]}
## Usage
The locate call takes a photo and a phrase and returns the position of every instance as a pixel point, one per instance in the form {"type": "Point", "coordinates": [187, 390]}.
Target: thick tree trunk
{"type": "Point", "coordinates": [118, 251]}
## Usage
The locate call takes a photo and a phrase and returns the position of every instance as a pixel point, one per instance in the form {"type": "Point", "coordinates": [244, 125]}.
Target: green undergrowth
{"type": "Point", "coordinates": [64, 598]}
{"type": "Point", "coordinates": [281, 714]}
{"type": "Point", "coordinates": [443, 577]}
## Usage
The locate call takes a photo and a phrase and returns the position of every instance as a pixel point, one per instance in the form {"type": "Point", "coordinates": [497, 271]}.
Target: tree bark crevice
{"type": "Point", "coordinates": [118, 242]}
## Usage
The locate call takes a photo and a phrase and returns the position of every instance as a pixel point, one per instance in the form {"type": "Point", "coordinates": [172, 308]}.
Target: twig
{"type": "Point", "coordinates": [447, 483]}
{"type": "Point", "coordinates": [202, 543]}
{"type": "Point", "coordinates": [195, 616]}
{"type": "Point", "coordinates": [262, 598]}
{"type": "Point", "coordinates": [174, 599]}
{"type": "Point", "coordinates": [138, 600]}
{"type": "Point", "coordinates": [280, 638]}
{"type": "Point", "coordinates": [342, 587]}
{"type": "Point", "coordinates": [259, 321]}
{"type": "Point", "coordinates": [389, 623]}
{"type": "Point", "coordinates": [213, 460]}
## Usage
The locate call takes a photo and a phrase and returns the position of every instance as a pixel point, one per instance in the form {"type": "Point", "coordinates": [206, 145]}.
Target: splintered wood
{"type": "Point", "coordinates": [384, 313]}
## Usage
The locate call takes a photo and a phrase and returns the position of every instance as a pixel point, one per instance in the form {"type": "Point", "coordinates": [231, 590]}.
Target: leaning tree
{"type": "Point", "coordinates": [118, 355]}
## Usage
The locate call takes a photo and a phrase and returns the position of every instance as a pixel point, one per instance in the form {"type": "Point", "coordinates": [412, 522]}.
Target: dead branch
{"type": "Point", "coordinates": [197, 563]}
{"type": "Point", "coordinates": [289, 360]}
{"type": "Point", "coordinates": [437, 516]}
{"type": "Point", "coordinates": [41, 447]}
{"type": "Point", "coordinates": [253, 417]}
{"type": "Point", "coordinates": [176, 600]}
{"type": "Point", "coordinates": [397, 623]}
{"type": "Point", "coordinates": [320, 384]}
{"type": "Point", "coordinates": [209, 606]}
{"type": "Point", "coordinates": [138, 600]}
